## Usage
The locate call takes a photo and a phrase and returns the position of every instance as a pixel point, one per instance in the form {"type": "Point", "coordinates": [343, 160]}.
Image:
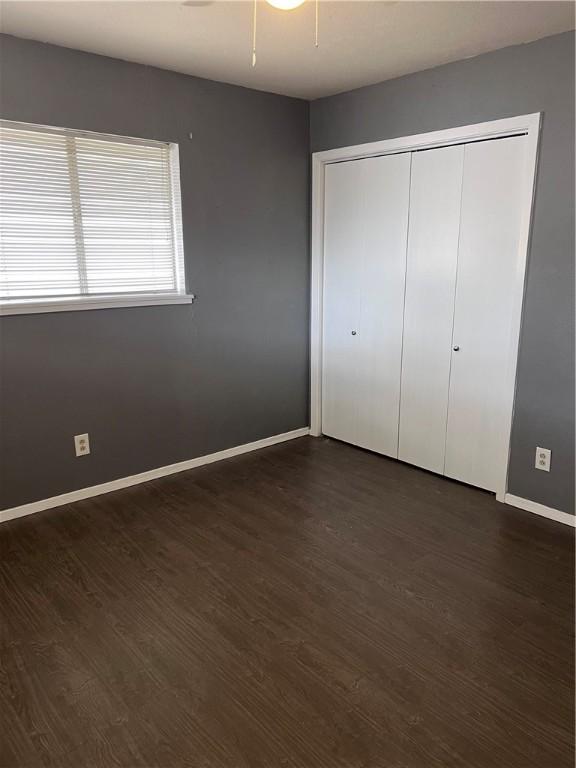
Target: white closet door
{"type": "Point", "coordinates": [488, 261]}
{"type": "Point", "coordinates": [387, 191]}
{"type": "Point", "coordinates": [435, 192]}
{"type": "Point", "coordinates": [343, 238]}
{"type": "Point", "coordinates": [366, 220]}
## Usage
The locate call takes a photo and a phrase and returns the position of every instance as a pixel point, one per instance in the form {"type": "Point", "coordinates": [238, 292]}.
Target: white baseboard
{"type": "Point", "coordinates": [540, 509]}
{"type": "Point", "coordinates": [144, 477]}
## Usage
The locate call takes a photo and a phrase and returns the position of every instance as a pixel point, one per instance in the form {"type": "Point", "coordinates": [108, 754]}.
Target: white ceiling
{"type": "Point", "coordinates": [360, 42]}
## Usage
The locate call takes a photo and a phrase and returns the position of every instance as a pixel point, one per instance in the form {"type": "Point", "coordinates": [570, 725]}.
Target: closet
{"type": "Point", "coordinates": [420, 264]}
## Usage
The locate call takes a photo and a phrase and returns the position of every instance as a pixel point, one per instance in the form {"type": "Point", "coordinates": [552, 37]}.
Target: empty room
{"type": "Point", "coordinates": [287, 384]}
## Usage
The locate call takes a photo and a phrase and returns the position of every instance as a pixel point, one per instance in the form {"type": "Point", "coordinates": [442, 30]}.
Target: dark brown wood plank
{"type": "Point", "coordinates": [309, 605]}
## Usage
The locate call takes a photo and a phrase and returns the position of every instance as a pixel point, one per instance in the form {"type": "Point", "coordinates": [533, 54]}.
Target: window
{"type": "Point", "coordinates": [87, 220]}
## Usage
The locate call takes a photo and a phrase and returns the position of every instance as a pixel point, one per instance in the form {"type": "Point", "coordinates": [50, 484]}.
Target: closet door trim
{"type": "Point", "coordinates": [528, 125]}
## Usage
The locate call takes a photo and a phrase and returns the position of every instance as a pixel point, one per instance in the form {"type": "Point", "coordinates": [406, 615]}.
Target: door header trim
{"type": "Point", "coordinates": [510, 126]}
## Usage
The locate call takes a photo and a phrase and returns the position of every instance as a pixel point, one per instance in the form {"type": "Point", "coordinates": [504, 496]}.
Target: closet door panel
{"type": "Point", "coordinates": [435, 192]}
{"type": "Point", "coordinates": [383, 268]}
{"type": "Point", "coordinates": [343, 242]}
{"type": "Point", "coordinates": [476, 449]}
{"type": "Point", "coordinates": [366, 220]}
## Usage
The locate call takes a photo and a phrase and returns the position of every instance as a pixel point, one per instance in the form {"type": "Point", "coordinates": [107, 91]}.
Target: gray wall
{"type": "Point", "coordinates": [233, 368]}
{"type": "Point", "coordinates": [538, 77]}
{"type": "Point", "coordinates": [156, 385]}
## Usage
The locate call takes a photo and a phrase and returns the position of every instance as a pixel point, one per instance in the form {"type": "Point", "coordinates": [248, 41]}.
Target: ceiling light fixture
{"type": "Point", "coordinates": [285, 5]}
{"type": "Point", "coordinates": [282, 5]}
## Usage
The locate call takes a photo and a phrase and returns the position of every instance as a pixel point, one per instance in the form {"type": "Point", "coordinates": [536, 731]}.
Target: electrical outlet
{"type": "Point", "coordinates": [543, 457]}
{"type": "Point", "coordinates": [82, 444]}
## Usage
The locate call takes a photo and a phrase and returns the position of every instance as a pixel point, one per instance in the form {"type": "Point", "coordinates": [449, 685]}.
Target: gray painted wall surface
{"type": "Point", "coordinates": [233, 368]}
{"type": "Point", "coordinates": [538, 77]}
{"type": "Point", "coordinates": [156, 385]}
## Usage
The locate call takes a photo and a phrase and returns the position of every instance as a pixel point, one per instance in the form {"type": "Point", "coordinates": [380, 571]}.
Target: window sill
{"type": "Point", "coordinates": [99, 302]}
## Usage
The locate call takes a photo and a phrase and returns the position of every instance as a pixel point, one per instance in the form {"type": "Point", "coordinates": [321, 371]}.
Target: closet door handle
{"type": "Point", "coordinates": [456, 348]}
{"type": "Point", "coordinates": [353, 333]}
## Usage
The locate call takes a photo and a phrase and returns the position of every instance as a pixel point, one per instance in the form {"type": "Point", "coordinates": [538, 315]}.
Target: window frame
{"type": "Point", "coordinates": [34, 305]}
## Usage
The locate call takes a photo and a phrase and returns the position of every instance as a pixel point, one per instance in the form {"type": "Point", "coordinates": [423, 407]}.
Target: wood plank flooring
{"type": "Point", "coordinates": [311, 605]}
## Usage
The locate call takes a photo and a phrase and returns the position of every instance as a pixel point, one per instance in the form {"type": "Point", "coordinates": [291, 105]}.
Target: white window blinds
{"type": "Point", "coordinates": [85, 215]}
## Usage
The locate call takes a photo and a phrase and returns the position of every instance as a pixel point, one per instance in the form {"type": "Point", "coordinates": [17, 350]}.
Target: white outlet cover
{"type": "Point", "coordinates": [543, 458]}
{"type": "Point", "coordinates": [82, 444]}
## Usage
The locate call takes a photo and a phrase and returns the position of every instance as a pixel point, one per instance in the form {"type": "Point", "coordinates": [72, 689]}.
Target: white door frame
{"type": "Point", "coordinates": [523, 124]}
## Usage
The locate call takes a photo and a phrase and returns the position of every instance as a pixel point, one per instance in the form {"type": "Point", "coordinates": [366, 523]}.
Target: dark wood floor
{"type": "Point", "coordinates": [307, 605]}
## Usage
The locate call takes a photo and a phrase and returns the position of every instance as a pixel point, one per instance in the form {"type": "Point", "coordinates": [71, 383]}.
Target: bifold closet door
{"type": "Point", "coordinates": [480, 401]}
{"type": "Point", "coordinates": [435, 191]}
{"type": "Point", "coordinates": [365, 230]}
